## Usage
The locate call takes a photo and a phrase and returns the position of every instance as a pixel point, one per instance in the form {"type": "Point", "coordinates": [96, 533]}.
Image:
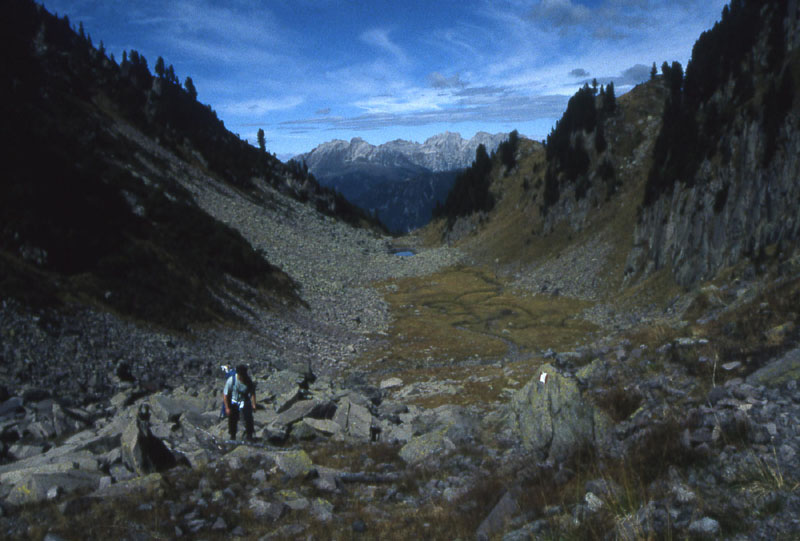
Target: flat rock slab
{"type": "Point", "coordinates": [355, 420]}
{"type": "Point", "coordinates": [324, 427]}
{"type": "Point", "coordinates": [34, 486]}
{"type": "Point", "coordinates": [170, 408]}
{"type": "Point", "coordinates": [391, 383]}
{"type": "Point", "coordinates": [297, 411]}
{"type": "Point", "coordinates": [150, 484]}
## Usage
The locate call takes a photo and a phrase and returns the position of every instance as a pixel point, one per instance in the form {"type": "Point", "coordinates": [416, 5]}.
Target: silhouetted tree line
{"type": "Point", "coordinates": [567, 158]}
{"type": "Point", "coordinates": [507, 150]}
{"type": "Point", "coordinates": [157, 104]}
{"type": "Point", "coordinates": [692, 122]}
{"type": "Point", "coordinates": [470, 192]}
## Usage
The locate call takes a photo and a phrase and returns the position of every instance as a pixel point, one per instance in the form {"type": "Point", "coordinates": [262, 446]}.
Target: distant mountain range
{"type": "Point", "coordinates": [400, 180]}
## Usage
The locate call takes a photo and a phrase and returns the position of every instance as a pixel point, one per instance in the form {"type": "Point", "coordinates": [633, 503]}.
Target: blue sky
{"type": "Point", "coordinates": [308, 71]}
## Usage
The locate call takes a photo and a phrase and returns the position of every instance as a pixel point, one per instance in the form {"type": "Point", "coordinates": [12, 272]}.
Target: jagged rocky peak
{"type": "Point", "coordinates": [442, 152]}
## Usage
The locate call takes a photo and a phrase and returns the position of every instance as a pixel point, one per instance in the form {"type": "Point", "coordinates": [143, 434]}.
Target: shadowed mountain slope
{"type": "Point", "coordinates": [88, 213]}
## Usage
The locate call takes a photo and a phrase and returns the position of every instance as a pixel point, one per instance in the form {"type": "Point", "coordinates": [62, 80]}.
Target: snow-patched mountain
{"type": "Point", "coordinates": [443, 152]}
{"type": "Point", "coordinates": [400, 180]}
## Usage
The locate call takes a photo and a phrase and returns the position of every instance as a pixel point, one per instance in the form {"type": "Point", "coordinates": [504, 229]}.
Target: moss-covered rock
{"type": "Point", "coordinates": [424, 447]}
{"type": "Point", "coordinates": [294, 463]}
{"type": "Point", "coordinates": [550, 416]}
{"type": "Point", "coordinates": [779, 371]}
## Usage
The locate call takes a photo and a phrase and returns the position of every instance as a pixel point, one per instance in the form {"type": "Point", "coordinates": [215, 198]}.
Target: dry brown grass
{"type": "Point", "coordinates": [464, 313]}
{"type": "Point", "coordinates": [465, 328]}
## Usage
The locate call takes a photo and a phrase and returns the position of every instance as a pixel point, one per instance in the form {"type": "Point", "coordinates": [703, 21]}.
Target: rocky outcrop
{"type": "Point", "coordinates": [551, 417]}
{"type": "Point", "coordinates": [745, 209]}
{"type": "Point", "coordinates": [142, 451]}
{"type": "Point", "coordinates": [736, 196]}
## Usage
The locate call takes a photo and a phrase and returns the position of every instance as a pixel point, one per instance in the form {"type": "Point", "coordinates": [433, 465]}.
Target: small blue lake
{"type": "Point", "coordinates": [403, 252]}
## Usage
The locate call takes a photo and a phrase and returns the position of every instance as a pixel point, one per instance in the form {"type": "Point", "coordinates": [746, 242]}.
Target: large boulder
{"type": "Point", "coordinates": [293, 463]}
{"type": "Point", "coordinates": [454, 421]}
{"type": "Point", "coordinates": [355, 420]}
{"type": "Point", "coordinates": [421, 449]}
{"type": "Point", "coordinates": [552, 419]}
{"type": "Point", "coordinates": [142, 451]}
{"type": "Point", "coordinates": [283, 388]}
{"type": "Point", "coordinates": [300, 410]}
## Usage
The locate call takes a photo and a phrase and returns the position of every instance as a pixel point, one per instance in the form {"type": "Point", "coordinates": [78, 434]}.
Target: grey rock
{"type": "Point", "coordinates": [453, 421]}
{"type": "Point", "coordinates": [11, 407]}
{"type": "Point", "coordinates": [499, 517]}
{"type": "Point", "coordinates": [36, 487]}
{"type": "Point", "coordinates": [327, 481]}
{"type": "Point", "coordinates": [550, 416]}
{"type": "Point", "coordinates": [778, 372]}
{"type": "Point", "coordinates": [263, 510]}
{"type": "Point", "coordinates": [355, 420]}
{"type": "Point", "coordinates": [171, 408]}
{"type": "Point", "coordinates": [391, 383]}
{"type": "Point", "coordinates": [283, 387]}
{"type": "Point", "coordinates": [142, 451]}
{"type": "Point", "coordinates": [105, 482]}
{"type": "Point", "coordinates": [322, 510]}
{"type": "Point", "coordinates": [297, 411]}
{"type": "Point", "coordinates": [21, 451]}
{"type": "Point", "coordinates": [151, 483]}
{"type": "Point", "coordinates": [428, 446]}
{"type": "Point", "coordinates": [293, 463]}
{"type": "Point", "coordinates": [593, 503]}
{"type": "Point", "coordinates": [316, 427]}
{"type": "Point", "coordinates": [706, 527]}
{"type": "Point", "coordinates": [527, 532]}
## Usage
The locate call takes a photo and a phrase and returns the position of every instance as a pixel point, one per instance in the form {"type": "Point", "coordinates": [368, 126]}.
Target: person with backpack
{"type": "Point", "coordinates": [228, 371]}
{"type": "Point", "coordinates": [239, 396]}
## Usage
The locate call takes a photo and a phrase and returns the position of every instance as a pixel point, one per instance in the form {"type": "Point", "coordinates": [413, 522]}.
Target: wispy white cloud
{"type": "Point", "coordinates": [507, 108]}
{"type": "Point", "coordinates": [427, 63]}
{"type": "Point", "coordinates": [261, 106]}
{"type": "Point", "coordinates": [379, 37]}
{"type": "Point", "coordinates": [560, 13]}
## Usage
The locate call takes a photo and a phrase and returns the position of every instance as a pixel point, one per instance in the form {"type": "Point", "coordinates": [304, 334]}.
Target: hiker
{"type": "Point", "coordinates": [228, 371]}
{"type": "Point", "coordinates": [239, 395]}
